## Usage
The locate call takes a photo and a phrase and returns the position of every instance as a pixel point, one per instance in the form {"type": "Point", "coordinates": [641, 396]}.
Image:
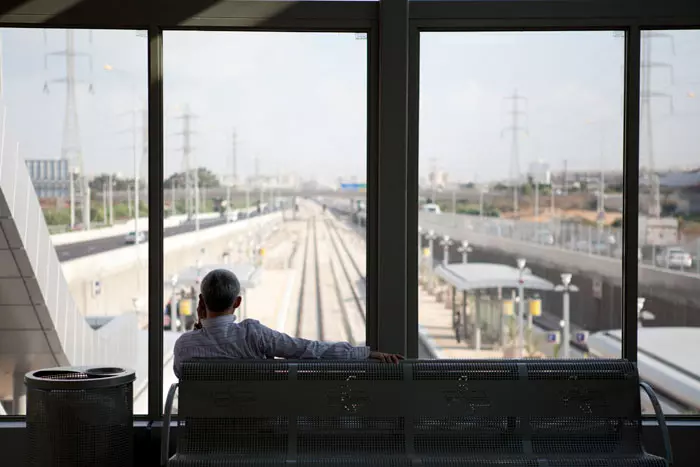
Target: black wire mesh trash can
{"type": "Point", "coordinates": [80, 417]}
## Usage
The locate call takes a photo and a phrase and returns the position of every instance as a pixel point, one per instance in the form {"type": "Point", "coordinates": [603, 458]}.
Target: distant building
{"type": "Point", "coordinates": [539, 173]}
{"type": "Point", "coordinates": [50, 177]}
{"type": "Point", "coordinates": [438, 180]}
{"type": "Point", "coordinates": [280, 182]}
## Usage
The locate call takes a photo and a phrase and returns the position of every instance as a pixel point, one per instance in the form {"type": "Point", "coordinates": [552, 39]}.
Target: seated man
{"type": "Point", "coordinates": [220, 336]}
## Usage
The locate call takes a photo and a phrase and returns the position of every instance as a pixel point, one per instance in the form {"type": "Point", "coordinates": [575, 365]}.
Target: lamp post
{"type": "Point", "coordinates": [445, 242]}
{"type": "Point", "coordinates": [104, 204]}
{"type": "Point", "coordinates": [465, 249]}
{"type": "Point", "coordinates": [521, 306]}
{"type": "Point", "coordinates": [74, 173]}
{"type": "Point", "coordinates": [137, 188]}
{"type": "Point", "coordinates": [111, 200]}
{"type": "Point", "coordinates": [137, 183]}
{"type": "Point", "coordinates": [482, 192]}
{"type": "Point", "coordinates": [642, 314]}
{"type": "Point", "coordinates": [566, 288]}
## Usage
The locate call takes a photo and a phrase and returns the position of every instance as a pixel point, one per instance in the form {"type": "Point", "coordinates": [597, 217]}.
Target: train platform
{"type": "Point", "coordinates": [435, 319]}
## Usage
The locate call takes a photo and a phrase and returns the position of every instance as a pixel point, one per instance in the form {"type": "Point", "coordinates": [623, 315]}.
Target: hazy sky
{"type": "Point", "coordinates": [298, 101]}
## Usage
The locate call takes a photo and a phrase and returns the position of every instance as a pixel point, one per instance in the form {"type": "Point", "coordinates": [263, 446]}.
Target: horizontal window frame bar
{"type": "Point", "coordinates": [538, 25]}
{"type": "Point", "coordinates": [348, 15]}
{"type": "Point", "coordinates": [557, 13]}
{"type": "Point", "coordinates": [197, 14]}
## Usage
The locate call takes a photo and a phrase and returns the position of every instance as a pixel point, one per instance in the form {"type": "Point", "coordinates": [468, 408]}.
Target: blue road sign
{"type": "Point", "coordinates": [553, 337]}
{"type": "Point", "coordinates": [582, 337]}
{"type": "Point", "coordinates": [353, 187]}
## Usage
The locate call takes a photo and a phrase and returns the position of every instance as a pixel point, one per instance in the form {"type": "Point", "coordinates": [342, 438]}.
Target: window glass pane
{"type": "Point", "coordinates": [669, 217]}
{"type": "Point", "coordinates": [272, 129]}
{"type": "Point", "coordinates": [520, 158]}
{"type": "Point", "coordinates": [73, 144]}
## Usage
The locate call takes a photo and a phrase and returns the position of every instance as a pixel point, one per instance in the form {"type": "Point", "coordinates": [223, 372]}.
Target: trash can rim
{"type": "Point", "coordinates": [110, 376]}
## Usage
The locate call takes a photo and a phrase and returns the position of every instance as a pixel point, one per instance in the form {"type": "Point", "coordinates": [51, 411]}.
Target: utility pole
{"type": "Point", "coordinates": [259, 181]}
{"type": "Point", "coordinates": [514, 130]}
{"type": "Point", "coordinates": [433, 180]}
{"type": "Point", "coordinates": [137, 165]}
{"type": "Point", "coordinates": [111, 200]}
{"type": "Point", "coordinates": [104, 203]}
{"type": "Point", "coordinates": [71, 148]}
{"type": "Point", "coordinates": [191, 173]}
{"type": "Point", "coordinates": [173, 186]}
{"type": "Point", "coordinates": [647, 94]}
{"type": "Point", "coordinates": [128, 198]}
{"type": "Point", "coordinates": [234, 181]}
{"type": "Point", "coordinates": [566, 178]}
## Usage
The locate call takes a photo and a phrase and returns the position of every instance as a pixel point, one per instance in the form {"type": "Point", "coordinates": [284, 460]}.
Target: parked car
{"type": "Point", "coordinates": [131, 237]}
{"type": "Point", "coordinates": [673, 258]}
{"type": "Point", "coordinates": [430, 207]}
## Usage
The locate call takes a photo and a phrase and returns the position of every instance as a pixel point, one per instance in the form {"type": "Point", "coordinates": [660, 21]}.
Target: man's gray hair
{"type": "Point", "coordinates": [220, 288]}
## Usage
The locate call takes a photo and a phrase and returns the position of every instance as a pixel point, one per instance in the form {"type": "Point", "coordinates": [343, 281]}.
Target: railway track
{"type": "Point", "coordinates": [319, 303]}
{"type": "Point", "coordinates": [302, 283]}
{"type": "Point", "coordinates": [332, 229]}
{"type": "Point", "coordinates": [345, 248]}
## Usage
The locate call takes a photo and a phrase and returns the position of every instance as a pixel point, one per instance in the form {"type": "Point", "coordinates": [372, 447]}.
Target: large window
{"type": "Point", "coordinates": [669, 216]}
{"type": "Point", "coordinates": [266, 157]}
{"type": "Point", "coordinates": [74, 148]}
{"type": "Point", "coordinates": [269, 141]}
{"type": "Point", "coordinates": [520, 183]}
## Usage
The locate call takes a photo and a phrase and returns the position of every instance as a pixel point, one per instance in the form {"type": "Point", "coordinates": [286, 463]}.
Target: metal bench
{"type": "Point", "coordinates": [552, 413]}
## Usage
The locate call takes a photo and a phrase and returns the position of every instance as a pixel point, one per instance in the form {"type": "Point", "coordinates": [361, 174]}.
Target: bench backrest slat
{"type": "Point", "coordinates": [416, 407]}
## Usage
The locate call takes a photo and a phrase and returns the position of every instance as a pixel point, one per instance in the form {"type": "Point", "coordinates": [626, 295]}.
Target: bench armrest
{"type": "Point", "coordinates": [167, 416]}
{"type": "Point", "coordinates": [660, 419]}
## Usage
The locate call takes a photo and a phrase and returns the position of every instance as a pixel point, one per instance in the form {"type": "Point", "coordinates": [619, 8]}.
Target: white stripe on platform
{"type": "Point", "coordinates": [284, 308]}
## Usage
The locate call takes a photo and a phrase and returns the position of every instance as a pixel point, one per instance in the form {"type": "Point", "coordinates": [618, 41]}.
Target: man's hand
{"type": "Point", "coordinates": [385, 357]}
{"type": "Point", "coordinates": [201, 313]}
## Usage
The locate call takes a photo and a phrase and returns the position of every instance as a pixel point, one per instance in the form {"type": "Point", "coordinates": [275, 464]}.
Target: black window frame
{"type": "Point", "coordinates": [393, 28]}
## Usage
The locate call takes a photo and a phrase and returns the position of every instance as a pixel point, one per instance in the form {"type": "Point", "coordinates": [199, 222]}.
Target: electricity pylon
{"type": "Point", "coordinates": [647, 95]}
{"type": "Point", "coordinates": [71, 148]}
{"type": "Point", "coordinates": [191, 173]}
{"type": "Point", "coordinates": [515, 129]}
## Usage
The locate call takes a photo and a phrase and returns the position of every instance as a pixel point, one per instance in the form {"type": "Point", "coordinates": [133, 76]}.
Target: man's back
{"type": "Point", "coordinates": [223, 337]}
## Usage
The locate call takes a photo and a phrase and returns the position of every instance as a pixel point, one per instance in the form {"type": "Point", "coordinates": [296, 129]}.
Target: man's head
{"type": "Point", "coordinates": [220, 294]}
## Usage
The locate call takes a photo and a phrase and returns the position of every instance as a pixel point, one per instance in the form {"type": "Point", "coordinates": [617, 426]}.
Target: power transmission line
{"type": "Point", "coordinates": [514, 129]}
{"type": "Point", "coordinates": [647, 95]}
{"type": "Point", "coordinates": [191, 173]}
{"type": "Point", "coordinates": [71, 147]}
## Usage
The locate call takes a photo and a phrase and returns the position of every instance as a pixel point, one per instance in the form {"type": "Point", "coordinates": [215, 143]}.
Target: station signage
{"type": "Point", "coordinates": [581, 337]}
{"type": "Point", "coordinates": [355, 187]}
{"type": "Point", "coordinates": [96, 288]}
{"type": "Point", "coordinates": [553, 337]}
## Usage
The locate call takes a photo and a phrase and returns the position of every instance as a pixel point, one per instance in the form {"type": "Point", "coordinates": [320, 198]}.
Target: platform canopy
{"type": "Point", "coordinates": [247, 273]}
{"type": "Point", "coordinates": [475, 276]}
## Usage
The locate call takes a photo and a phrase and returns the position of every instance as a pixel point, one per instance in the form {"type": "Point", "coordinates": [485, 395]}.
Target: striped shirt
{"type": "Point", "coordinates": [223, 337]}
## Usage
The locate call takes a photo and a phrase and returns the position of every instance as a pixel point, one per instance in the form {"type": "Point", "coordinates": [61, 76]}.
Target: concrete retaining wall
{"type": "Point", "coordinates": [121, 281]}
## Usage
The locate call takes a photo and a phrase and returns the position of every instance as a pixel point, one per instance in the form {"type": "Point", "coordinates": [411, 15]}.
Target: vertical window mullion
{"type": "Point", "coordinates": [630, 219]}
{"type": "Point", "coordinates": [155, 221]}
{"type": "Point", "coordinates": [412, 318]}
{"type": "Point", "coordinates": [390, 213]}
